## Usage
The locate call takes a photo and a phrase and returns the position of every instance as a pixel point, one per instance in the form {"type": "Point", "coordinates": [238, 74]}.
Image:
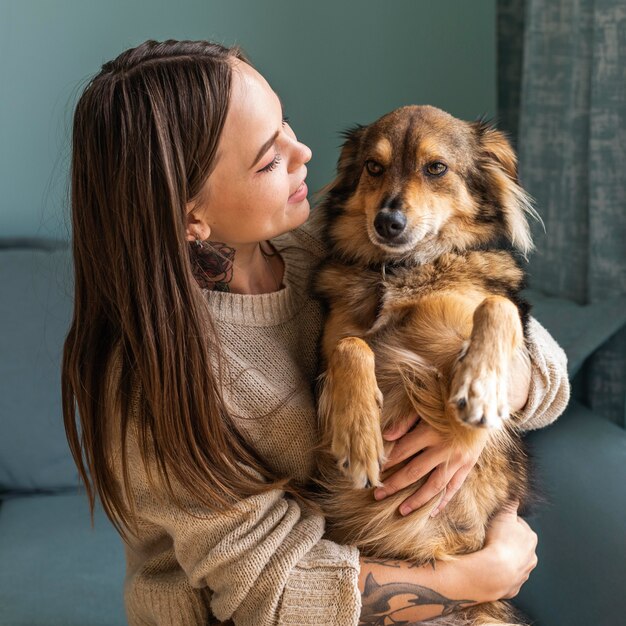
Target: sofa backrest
{"type": "Point", "coordinates": [36, 290]}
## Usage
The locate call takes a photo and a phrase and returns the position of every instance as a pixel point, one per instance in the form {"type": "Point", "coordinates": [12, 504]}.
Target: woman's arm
{"type": "Point", "coordinates": [407, 593]}
{"type": "Point", "coordinates": [265, 562]}
{"type": "Point", "coordinates": [399, 590]}
{"type": "Point", "coordinates": [548, 385]}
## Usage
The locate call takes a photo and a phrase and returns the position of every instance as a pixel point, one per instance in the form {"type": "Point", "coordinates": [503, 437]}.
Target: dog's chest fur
{"type": "Point", "coordinates": [374, 298]}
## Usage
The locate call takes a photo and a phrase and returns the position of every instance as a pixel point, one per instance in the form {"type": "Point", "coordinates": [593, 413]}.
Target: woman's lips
{"type": "Point", "coordinates": [299, 194]}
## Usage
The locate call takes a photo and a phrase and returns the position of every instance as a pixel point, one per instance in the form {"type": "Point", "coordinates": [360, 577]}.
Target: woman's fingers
{"type": "Point", "coordinates": [449, 465]}
{"type": "Point", "coordinates": [531, 532]}
{"type": "Point", "coordinates": [435, 484]}
{"type": "Point", "coordinates": [453, 486]}
{"type": "Point", "coordinates": [414, 470]}
{"type": "Point", "coordinates": [410, 444]}
{"type": "Point", "coordinates": [510, 507]}
{"type": "Point", "coordinates": [401, 428]}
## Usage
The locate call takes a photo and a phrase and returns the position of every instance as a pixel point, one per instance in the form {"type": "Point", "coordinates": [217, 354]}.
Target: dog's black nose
{"type": "Point", "coordinates": [389, 224]}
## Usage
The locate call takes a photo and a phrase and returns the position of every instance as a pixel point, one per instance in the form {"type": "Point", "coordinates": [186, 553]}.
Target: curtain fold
{"type": "Point", "coordinates": [562, 92]}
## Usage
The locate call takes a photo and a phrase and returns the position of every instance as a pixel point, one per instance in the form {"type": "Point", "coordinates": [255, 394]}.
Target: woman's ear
{"type": "Point", "coordinates": [196, 227]}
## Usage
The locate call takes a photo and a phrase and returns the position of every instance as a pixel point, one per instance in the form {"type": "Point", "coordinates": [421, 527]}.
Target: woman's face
{"type": "Point", "coordinates": [256, 190]}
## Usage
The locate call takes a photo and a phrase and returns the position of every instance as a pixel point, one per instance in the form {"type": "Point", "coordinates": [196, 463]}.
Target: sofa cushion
{"type": "Point", "coordinates": [56, 569]}
{"type": "Point", "coordinates": [580, 461]}
{"type": "Point", "coordinates": [35, 312]}
{"type": "Point", "coordinates": [579, 329]}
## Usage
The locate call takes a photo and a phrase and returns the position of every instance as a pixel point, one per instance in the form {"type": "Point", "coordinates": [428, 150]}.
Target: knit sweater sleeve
{"type": "Point", "coordinates": [549, 390]}
{"type": "Point", "coordinates": [266, 564]}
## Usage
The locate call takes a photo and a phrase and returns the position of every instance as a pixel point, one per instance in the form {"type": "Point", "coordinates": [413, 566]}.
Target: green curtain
{"type": "Point", "coordinates": [562, 95]}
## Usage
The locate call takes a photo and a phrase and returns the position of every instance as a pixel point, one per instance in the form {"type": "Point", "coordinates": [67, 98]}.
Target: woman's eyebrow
{"type": "Point", "coordinates": [265, 147]}
{"type": "Point", "coordinates": [271, 140]}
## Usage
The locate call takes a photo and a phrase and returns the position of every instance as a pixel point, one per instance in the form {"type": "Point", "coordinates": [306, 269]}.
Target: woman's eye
{"type": "Point", "coordinates": [285, 120]}
{"type": "Point", "coordinates": [373, 167]}
{"type": "Point", "coordinates": [437, 168]}
{"type": "Point", "coordinates": [270, 166]}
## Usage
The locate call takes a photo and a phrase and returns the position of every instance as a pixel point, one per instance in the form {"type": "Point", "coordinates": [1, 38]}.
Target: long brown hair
{"type": "Point", "coordinates": [144, 140]}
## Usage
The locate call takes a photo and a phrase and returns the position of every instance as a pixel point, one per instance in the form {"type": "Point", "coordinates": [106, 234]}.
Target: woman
{"type": "Point", "coordinates": [192, 253]}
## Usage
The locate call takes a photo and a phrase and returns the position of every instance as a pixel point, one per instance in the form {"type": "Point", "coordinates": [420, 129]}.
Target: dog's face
{"type": "Point", "coordinates": [418, 182]}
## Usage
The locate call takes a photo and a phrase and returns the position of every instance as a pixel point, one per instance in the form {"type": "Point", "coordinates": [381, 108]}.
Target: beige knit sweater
{"type": "Point", "coordinates": [271, 565]}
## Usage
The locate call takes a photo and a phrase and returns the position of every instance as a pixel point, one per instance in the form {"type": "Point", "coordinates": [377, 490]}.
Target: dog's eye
{"type": "Point", "coordinates": [373, 167]}
{"type": "Point", "coordinates": [437, 168]}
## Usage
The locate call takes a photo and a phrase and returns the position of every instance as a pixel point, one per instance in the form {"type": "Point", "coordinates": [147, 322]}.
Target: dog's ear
{"type": "Point", "coordinates": [348, 168]}
{"type": "Point", "coordinates": [495, 145]}
{"type": "Point", "coordinates": [497, 165]}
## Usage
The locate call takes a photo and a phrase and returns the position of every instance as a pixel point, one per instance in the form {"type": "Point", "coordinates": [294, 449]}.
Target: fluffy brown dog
{"type": "Point", "coordinates": [426, 225]}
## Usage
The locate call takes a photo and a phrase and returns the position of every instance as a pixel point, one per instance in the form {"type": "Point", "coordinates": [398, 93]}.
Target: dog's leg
{"type": "Point", "coordinates": [349, 406]}
{"type": "Point", "coordinates": [479, 389]}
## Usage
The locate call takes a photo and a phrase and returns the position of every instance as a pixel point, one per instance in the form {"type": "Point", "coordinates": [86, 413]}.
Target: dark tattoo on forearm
{"type": "Point", "coordinates": [395, 563]}
{"type": "Point", "coordinates": [385, 562]}
{"type": "Point", "coordinates": [376, 609]}
{"type": "Point", "coordinates": [212, 264]}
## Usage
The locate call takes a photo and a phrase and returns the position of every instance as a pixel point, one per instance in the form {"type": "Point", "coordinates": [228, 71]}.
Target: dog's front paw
{"type": "Point", "coordinates": [357, 442]}
{"type": "Point", "coordinates": [479, 391]}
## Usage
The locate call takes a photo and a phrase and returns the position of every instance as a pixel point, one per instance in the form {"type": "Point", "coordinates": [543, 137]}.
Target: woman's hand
{"type": "Point", "coordinates": [508, 556]}
{"type": "Point", "coordinates": [451, 464]}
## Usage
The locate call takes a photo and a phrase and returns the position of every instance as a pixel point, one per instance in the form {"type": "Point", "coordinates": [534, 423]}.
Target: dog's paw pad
{"type": "Point", "coordinates": [478, 394]}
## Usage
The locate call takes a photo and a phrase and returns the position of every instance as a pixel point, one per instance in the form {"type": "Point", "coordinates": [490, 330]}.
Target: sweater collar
{"type": "Point", "coordinates": [266, 309]}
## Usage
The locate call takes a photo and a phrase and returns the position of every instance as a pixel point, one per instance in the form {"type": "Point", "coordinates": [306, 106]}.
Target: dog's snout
{"type": "Point", "coordinates": [390, 224]}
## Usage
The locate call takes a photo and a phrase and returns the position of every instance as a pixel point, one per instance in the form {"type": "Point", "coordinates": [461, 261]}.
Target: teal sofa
{"type": "Point", "coordinates": [56, 570]}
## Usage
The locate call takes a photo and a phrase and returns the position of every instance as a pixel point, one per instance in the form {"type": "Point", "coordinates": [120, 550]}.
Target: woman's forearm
{"type": "Point", "coordinates": [411, 594]}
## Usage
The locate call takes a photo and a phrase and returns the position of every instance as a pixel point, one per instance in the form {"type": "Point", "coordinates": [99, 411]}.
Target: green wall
{"type": "Point", "coordinates": [333, 64]}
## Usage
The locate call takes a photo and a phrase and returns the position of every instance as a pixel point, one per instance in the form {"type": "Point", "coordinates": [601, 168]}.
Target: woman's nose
{"type": "Point", "coordinates": [307, 153]}
{"type": "Point", "coordinates": [300, 154]}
